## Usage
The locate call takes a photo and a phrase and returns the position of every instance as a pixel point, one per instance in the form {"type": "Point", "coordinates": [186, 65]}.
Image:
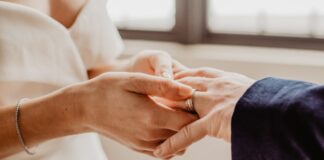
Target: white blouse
{"type": "Point", "coordinates": [39, 55]}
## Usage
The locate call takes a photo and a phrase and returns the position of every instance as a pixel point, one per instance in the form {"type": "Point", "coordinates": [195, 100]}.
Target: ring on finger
{"type": "Point", "coordinates": [190, 103]}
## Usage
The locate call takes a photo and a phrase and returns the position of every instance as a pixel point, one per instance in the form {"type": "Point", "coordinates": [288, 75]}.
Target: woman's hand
{"type": "Point", "coordinates": [118, 106]}
{"type": "Point", "coordinates": [152, 62]}
{"type": "Point", "coordinates": [215, 101]}
{"type": "Point", "coordinates": [155, 62]}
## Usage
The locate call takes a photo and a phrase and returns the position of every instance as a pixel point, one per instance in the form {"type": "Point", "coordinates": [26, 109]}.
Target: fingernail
{"type": "Point", "coordinates": [158, 152]}
{"type": "Point", "coordinates": [167, 75]}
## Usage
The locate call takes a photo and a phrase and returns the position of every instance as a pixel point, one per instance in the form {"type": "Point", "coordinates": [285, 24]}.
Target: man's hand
{"type": "Point", "coordinates": [215, 100]}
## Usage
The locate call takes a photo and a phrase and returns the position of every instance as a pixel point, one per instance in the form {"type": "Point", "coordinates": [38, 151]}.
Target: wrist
{"type": "Point", "coordinates": [73, 108]}
{"type": "Point", "coordinates": [48, 117]}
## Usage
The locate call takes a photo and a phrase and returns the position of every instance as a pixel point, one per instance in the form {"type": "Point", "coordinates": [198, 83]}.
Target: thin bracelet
{"type": "Point", "coordinates": [19, 134]}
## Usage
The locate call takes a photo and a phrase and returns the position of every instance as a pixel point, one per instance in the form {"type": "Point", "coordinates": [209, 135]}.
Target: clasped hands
{"type": "Point", "coordinates": [145, 111]}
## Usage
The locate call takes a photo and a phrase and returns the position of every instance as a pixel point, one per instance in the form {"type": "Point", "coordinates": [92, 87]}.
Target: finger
{"type": "Point", "coordinates": [150, 153]}
{"type": "Point", "coordinates": [178, 67]}
{"type": "Point", "coordinates": [161, 63]}
{"type": "Point", "coordinates": [182, 139]}
{"type": "Point", "coordinates": [199, 103]}
{"type": "Point", "coordinates": [156, 135]}
{"type": "Point", "coordinates": [200, 72]}
{"type": "Point", "coordinates": [157, 86]}
{"type": "Point", "coordinates": [146, 145]}
{"type": "Point", "coordinates": [180, 105]}
{"type": "Point", "coordinates": [169, 103]}
{"type": "Point", "coordinates": [198, 83]}
{"type": "Point", "coordinates": [175, 120]}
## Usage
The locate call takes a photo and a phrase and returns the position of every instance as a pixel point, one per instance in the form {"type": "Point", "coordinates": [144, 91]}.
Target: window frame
{"type": "Point", "coordinates": [191, 28]}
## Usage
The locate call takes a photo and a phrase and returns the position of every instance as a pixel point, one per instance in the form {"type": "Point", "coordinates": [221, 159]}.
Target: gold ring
{"type": "Point", "coordinates": [190, 104]}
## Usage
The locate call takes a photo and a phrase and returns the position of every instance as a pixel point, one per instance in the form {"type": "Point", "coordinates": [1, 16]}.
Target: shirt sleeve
{"type": "Point", "coordinates": [95, 35]}
{"type": "Point", "coordinates": [279, 119]}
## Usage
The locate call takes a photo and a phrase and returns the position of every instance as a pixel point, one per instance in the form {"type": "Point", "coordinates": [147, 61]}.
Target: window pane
{"type": "Point", "coordinates": [143, 14]}
{"type": "Point", "coordinates": [302, 18]}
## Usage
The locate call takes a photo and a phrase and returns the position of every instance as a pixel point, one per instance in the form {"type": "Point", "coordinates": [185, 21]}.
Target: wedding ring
{"type": "Point", "coordinates": [190, 103]}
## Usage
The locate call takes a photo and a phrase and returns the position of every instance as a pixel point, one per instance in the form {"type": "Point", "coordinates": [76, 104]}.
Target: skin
{"type": "Point", "coordinates": [152, 62]}
{"type": "Point", "coordinates": [118, 105]}
{"type": "Point", "coordinates": [217, 95]}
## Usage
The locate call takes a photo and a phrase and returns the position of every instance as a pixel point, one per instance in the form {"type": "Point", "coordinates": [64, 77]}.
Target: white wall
{"type": "Point", "coordinates": [252, 61]}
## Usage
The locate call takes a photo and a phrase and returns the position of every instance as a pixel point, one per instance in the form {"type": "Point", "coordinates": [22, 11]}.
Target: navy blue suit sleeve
{"type": "Point", "coordinates": [279, 119]}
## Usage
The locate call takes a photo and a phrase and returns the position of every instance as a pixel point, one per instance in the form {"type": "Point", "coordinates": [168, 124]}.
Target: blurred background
{"type": "Point", "coordinates": [259, 38]}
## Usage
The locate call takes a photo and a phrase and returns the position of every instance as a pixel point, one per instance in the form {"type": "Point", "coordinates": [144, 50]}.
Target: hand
{"type": "Point", "coordinates": [152, 62]}
{"type": "Point", "coordinates": [155, 62]}
{"type": "Point", "coordinates": [215, 101]}
{"type": "Point", "coordinates": [118, 106]}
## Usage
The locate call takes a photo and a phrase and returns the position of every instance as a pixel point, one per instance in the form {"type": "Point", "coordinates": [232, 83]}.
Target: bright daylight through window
{"type": "Point", "coordinates": [296, 18]}
{"type": "Point", "coordinates": [156, 15]}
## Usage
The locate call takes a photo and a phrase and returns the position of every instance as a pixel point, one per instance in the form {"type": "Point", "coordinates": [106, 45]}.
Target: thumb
{"type": "Point", "coordinates": [162, 65]}
{"type": "Point", "coordinates": [181, 140]}
{"type": "Point", "coordinates": [158, 86]}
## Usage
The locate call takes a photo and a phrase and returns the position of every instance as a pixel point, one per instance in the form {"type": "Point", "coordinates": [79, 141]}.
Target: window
{"type": "Point", "coordinates": [156, 15]}
{"type": "Point", "coordinates": [271, 23]}
{"type": "Point", "coordinates": [293, 18]}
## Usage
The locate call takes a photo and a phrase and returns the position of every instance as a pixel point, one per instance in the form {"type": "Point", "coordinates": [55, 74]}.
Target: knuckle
{"type": "Point", "coordinates": [170, 144]}
{"type": "Point", "coordinates": [106, 79]}
{"type": "Point", "coordinates": [164, 86]}
{"type": "Point", "coordinates": [186, 132]}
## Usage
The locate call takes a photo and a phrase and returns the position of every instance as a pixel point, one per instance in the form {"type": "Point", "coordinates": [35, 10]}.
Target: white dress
{"type": "Point", "coordinates": [39, 55]}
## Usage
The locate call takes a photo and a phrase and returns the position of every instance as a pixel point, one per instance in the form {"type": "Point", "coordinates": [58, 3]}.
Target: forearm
{"type": "Point", "coordinates": [41, 119]}
{"type": "Point", "coordinates": [114, 66]}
